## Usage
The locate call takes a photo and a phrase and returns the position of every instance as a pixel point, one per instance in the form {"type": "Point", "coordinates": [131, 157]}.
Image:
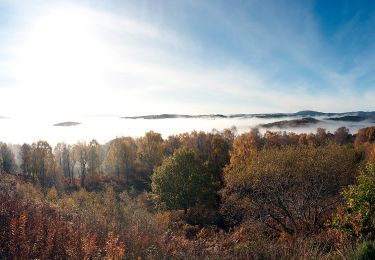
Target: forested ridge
{"type": "Point", "coordinates": [198, 195]}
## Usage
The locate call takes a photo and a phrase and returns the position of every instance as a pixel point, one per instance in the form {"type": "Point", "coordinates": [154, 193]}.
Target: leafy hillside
{"type": "Point", "coordinates": [196, 195]}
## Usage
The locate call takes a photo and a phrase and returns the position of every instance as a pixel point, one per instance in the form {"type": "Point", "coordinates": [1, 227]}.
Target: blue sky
{"type": "Point", "coordinates": [191, 57]}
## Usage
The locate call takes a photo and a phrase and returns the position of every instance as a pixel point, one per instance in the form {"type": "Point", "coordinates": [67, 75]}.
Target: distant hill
{"type": "Point", "coordinates": [366, 114]}
{"type": "Point", "coordinates": [277, 115]}
{"type": "Point", "coordinates": [352, 118]}
{"type": "Point", "coordinates": [304, 113]}
{"type": "Point", "coordinates": [67, 124]}
{"type": "Point", "coordinates": [161, 116]}
{"type": "Point", "coordinates": [309, 113]}
{"type": "Point", "coordinates": [299, 114]}
{"type": "Point", "coordinates": [306, 121]}
{"type": "Point", "coordinates": [166, 116]}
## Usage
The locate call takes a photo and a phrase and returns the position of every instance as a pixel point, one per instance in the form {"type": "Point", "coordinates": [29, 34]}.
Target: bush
{"type": "Point", "coordinates": [364, 251]}
{"type": "Point", "coordinates": [359, 210]}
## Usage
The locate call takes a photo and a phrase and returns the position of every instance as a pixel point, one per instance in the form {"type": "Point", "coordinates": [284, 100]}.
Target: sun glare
{"type": "Point", "coordinates": [63, 57]}
{"type": "Point", "coordinates": [62, 49]}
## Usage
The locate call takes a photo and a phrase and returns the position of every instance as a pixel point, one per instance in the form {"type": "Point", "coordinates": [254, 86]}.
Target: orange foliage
{"type": "Point", "coordinates": [34, 230]}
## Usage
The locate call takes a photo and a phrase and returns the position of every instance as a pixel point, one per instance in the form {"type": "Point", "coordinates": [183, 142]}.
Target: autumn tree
{"type": "Point", "coordinates": [371, 153]}
{"type": "Point", "coordinates": [182, 181]}
{"type": "Point", "coordinates": [121, 156]}
{"type": "Point", "coordinates": [68, 162]}
{"type": "Point", "coordinates": [275, 139]}
{"type": "Point", "coordinates": [150, 151]}
{"type": "Point", "coordinates": [229, 134]}
{"type": "Point", "coordinates": [218, 158]}
{"type": "Point", "coordinates": [80, 152]}
{"type": "Point", "coordinates": [171, 144]}
{"type": "Point", "coordinates": [320, 136]}
{"type": "Point", "coordinates": [244, 148]}
{"type": "Point", "coordinates": [64, 158]}
{"type": "Point", "coordinates": [341, 135]}
{"type": "Point", "coordinates": [7, 161]}
{"type": "Point", "coordinates": [289, 189]}
{"type": "Point", "coordinates": [44, 164]}
{"type": "Point", "coordinates": [199, 142]}
{"type": "Point", "coordinates": [26, 159]}
{"type": "Point", "coordinates": [94, 160]}
{"type": "Point", "coordinates": [293, 138]}
{"type": "Point", "coordinates": [58, 150]}
{"type": "Point", "coordinates": [365, 135]}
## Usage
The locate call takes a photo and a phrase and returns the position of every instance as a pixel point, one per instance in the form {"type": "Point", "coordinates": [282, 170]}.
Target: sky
{"type": "Point", "coordinates": [190, 57]}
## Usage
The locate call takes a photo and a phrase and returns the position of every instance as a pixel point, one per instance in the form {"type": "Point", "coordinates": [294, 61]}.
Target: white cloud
{"type": "Point", "coordinates": [70, 59]}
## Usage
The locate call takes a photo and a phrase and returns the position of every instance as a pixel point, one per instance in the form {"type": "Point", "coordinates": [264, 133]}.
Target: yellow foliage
{"type": "Point", "coordinates": [52, 196]}
{"type": "Point", "coordinates": [371, 153]}
{"type": "Point", "coordinates": [29, 192]}
{"type": "Point", "coordinates": [68, 203]}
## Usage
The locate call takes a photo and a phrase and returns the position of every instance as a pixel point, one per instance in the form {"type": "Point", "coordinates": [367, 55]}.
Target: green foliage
{"type": "Point", "coordinates": [182, 181]}
{"type": "Point", "coordinates": [359, 209]}
{"type": "Point", "coordinates": [364, 251]}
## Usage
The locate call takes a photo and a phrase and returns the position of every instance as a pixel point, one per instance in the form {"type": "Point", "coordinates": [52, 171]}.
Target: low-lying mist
{"type": "Point", "coordinates": [103, 129]}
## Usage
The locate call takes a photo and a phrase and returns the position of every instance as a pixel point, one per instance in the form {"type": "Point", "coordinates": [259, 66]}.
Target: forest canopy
{"type": "Point", "coordinates": [193, 195]}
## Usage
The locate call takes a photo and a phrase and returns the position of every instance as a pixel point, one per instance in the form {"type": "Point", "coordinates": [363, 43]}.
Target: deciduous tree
{"type": "Point", "coordinates": [150, 151]}
{"type": "Point", "coordinates": [121, 156]}
{"type": "Point", "coordinates": [94, 160]}
{"type": "Point", "coordinates": [26, 159]}
{"type": "Point", "coordinates": [81, 155]}
{"type": "Point", "coordinates": [7, 161]}
{"type": "Point", "coordinates": [182, 181]}
{"type": "Point", "coordinates": [44, 164]}
{"type": "Point", "coordinates": [289, 189]}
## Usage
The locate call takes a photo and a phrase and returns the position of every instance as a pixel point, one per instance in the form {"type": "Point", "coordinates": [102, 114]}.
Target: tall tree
{"type": "Point", "coordinates": [121, 156]}
{"type": "Point", "coordinates": [94, 160]}
{"type": "Point", "coordinates": [182, 181]}
{"type": "Point", "coordinates": [341, 135]}
{"type": "Point", "coordinates": [218, 157]}
{"type": "Point", "coordinates": [43, 164]}
{"type": "Point", "coordinates": [81, 156]}
{"type": "Point", "coordinates": [7, 160]}
{"type": "Point", "coordinates": [62, 153]}
{"type": "Point", "coordinates": [171, 144]}
{"type": "Point", "coordinates": [150, 151]}
{"type": "Point", "coordinates": [320, 136]}
{"type": "Point", "coordinates": [26, 160]}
